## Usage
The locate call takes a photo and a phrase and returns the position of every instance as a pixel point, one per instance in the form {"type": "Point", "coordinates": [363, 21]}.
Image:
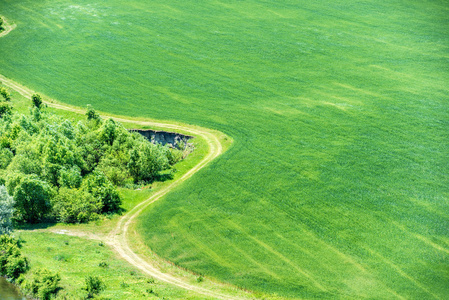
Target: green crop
{"type": "Point", "coordinates": [337, 182]}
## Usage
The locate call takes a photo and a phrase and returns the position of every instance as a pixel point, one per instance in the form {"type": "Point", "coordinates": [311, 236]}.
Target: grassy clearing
{"type": "Point", "coordinates": [76, 258]}
{"type": "Point", "coordinates": [337, 183]}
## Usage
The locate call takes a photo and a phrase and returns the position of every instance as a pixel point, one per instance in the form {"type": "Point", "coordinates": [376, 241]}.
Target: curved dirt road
{"type": "Point", "coordinates": [118, 238]}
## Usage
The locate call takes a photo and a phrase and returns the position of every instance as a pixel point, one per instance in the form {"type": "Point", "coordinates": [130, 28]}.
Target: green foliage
{"type": "Point", "coordinates": [6, 211]}
{"type": "Point", "coordinates": [108, 132]}
{"type": "Point", "coordinates": [3, 91]}
{"type": "Point", "coordinates": [70, 178]}
{"type": "Point", "coordinates": [1, 24]}
{"type": "Point", "coordinates": [32, 198]}
{"type": "Point", "coordinates": [5, 157]}
{"type": "Point", "coordinates": [146, 160]}
{"type": "Point", "coordinates": [174, 155]}
{"type": "Point", "coordinates": [43, 284]}
{"type": "Point", "coordinates": [37, 101]}
{"type": "Point", "coordinates": [92, 114]}
{"type": "Point", "coordinates": [12, 262]}
{"type": "Point", "coordinates": [5, 105]}
{"type": "Point", "coordinates": [94, 286]}
{"type": "Point", "coordinates": [5, 109]}
{"type": "Point", "coordinates": [99, 186]}
{"type": "Point", "coordinates": [115, 170]}
{"type": "Point", "coordinates": [55, 168]}
{"type": "Point", "coordinates": [75, 206]}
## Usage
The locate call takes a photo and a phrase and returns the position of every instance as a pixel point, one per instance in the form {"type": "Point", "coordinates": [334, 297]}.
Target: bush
{"type": "Point", "coordinates": [94, 286]}
{"type": "Point", "coordinates": [146, 160]}
{"type": "Point", "coordinates": [3, 91]}
{"type": "Point", "coordinates": [5, 109]}
{"type": "Point", "coordinates": [114, 170]}
{"type": "Point", "coordinates": [102, 189]}
{"type": "Point", "coordinates": [75, 206]}
{"type": "Point", "coordinates": [92, 114]}
{"type": "Point", "coordinates": [37, 100]}
{"type": "Point", "coordinates": [12, 262]}
{"type": "Point", "coordinates": [70, 177]}
{"type": "Point", "coordinates": [43, 284]}
{"type": "Point", "coordinates": [5, 157]}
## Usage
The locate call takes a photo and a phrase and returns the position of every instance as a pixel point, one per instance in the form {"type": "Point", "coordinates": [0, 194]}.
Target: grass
{"type": "Point", "coordinates": [337, 182]}
{"type": "Point", "coordinates": [76, 258]}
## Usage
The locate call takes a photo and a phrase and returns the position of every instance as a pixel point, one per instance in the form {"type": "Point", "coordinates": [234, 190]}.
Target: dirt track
{"type": "Point", "coordinates": [118, 239]}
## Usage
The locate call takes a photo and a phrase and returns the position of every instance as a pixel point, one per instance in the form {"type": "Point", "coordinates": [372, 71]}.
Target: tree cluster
{"type": "Point", "coordinates": [57, 168]}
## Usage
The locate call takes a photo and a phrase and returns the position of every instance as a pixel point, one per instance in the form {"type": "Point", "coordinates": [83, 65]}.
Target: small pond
{"type": "Point", "coordinates": [9, 291]}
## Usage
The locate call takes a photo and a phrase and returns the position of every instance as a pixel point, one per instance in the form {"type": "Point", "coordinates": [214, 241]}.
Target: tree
{"type": "Point", "coordinates": [3, 91]}
{"type": "Point", "coordinates": [91, 113]}
{"type": "Point", "coordinates": [75, 206]}
{"type": "Point", "coordinates": [107, 132]}
{"type": "Point", "coordinates": [102, 189]}
{"type": "Point", "coordinates": [70, 177]}
{"type": "Point", "coordinates": [5, 109]}
{"type": "Point", "coordinates": [37, 100]}
{"type": "Point", "coordinates": [146, 160]}
{"type": "Point", "coordinates": [32, 197]}
{"type": "Point", "coordinates": [1, 24]}
{"type": "Point", "coordinates": [5, 157]}
{"type": "Point", "coordinates": [6, 211]}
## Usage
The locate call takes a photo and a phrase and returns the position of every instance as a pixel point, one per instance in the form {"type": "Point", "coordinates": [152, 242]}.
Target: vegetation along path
{"type": "Point", "coordinates": [119, 236]}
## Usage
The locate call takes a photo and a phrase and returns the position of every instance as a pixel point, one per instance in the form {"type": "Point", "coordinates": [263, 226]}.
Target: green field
{"type": "Point", "coordinates": [337, 184]}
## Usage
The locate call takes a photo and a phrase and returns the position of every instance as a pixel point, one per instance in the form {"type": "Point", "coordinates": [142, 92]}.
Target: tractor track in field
{"type": "Point", "coordinates": [118, 238]}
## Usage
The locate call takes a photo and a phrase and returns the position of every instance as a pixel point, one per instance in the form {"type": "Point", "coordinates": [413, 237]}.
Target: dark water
{"type": "Point", "coordinates": [9, 291]}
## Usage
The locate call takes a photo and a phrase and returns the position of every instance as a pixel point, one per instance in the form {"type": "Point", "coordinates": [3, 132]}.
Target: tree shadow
{"type": "Point", "coordinates": [34, 226]}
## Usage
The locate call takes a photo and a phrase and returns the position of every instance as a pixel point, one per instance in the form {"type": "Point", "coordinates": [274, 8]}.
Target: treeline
{"type": "Point", "coordinates": [68, 171]}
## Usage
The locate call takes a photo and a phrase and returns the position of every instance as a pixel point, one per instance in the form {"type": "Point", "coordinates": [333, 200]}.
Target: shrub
{"type": "Point", "coordinates": [114, 170]}
{"type": "Point", "coordinates": [12, 262]}
{"type": "Point", "coordinates": [5, 157]}
{"type": "Point", "coordinates": [91, 113]}
{"type": "Point", "coordinates": [70, 177]}
{"type": "Point", "coordinates": [94, 286]}
{"type": "Point", "coordinates": [102, 189]}
{"type": "Point", "coordinates": [75, 206]}
{"type": "Point", "coordinates": [37, 100]}
{"type": "Point", "coordinates": [42, 284]}
{"type": "Point", "coordinates": [3, 91]}
{"type": "Point", "coordinates": [146, 160]}
{"type": "Point", "coordinates": [5, 109]}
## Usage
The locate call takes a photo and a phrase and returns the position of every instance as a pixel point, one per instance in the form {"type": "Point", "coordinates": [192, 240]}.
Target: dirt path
{"type": "Point", "coordinates": [119, 236]}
